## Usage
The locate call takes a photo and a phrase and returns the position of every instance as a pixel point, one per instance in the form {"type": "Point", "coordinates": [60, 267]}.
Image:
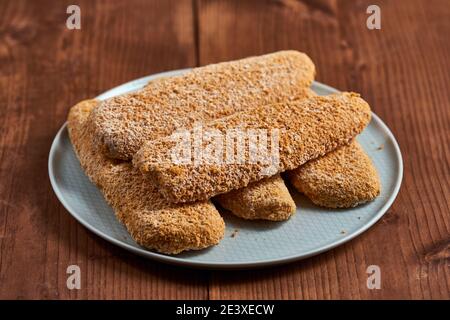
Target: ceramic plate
{"type": "Point", "coordinates": [310, 231]}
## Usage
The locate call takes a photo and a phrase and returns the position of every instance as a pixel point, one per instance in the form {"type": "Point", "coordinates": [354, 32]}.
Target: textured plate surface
{"type": "Point", "coordinates": [310, 231]}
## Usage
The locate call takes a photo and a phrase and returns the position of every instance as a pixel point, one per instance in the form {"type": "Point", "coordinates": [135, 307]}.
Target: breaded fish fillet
{"type": "Point", "coordinates": [308, 129]}
{"type": "Point", "coordinates": [152, 221]}
{"type": "Point", "coordinates": [268, 199]}
{"type": "Point", "coordinates": [123, 123]}
{"type": "Point", "coordinates": [343, 178]}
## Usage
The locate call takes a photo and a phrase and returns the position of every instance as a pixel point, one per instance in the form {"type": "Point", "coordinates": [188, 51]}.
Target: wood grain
{"type": "Point", "coordinates": [46, 68]}
{"type": "Point", "coordinates": [402, 70]}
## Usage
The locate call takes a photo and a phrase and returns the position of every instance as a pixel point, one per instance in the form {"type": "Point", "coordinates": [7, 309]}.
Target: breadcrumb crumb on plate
{"type": "Point", "coordinates": [310, 231]}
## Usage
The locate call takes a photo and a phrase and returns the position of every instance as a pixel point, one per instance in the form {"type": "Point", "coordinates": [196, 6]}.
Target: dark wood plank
{"type": "Point", "coordinates": [46, 68]}
{"type": "Point", "coordinates": [402, 70]}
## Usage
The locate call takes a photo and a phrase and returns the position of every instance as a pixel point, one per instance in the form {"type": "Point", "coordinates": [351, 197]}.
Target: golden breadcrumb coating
{"type": "Point", "coordinates": [286, 75]}
{"type": "Point", "coordinates": [123, 123]}
{"type": "Point", "coordinates": [308, 129]}
{"type": "Point", "coordinates": [343, 178]}
{"type": "Point", "coordinates": [268, 199]}
{"type": "Point", "coordinates": [152, 221]}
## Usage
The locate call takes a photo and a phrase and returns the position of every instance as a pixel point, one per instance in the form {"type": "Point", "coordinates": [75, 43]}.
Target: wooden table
{"type": "Point", "coordinates": [402, 70]}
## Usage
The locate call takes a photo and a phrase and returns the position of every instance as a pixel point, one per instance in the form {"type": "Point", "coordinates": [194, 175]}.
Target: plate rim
{"type": "Point", "coordinates": [220, 265]}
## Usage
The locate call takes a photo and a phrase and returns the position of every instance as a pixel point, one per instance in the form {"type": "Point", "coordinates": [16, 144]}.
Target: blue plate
{"type": "Point", "coordinates": [310, 231]}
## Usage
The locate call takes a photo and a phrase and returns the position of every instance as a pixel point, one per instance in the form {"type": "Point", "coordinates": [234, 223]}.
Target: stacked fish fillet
{"type": "Point", "coordinates": [125, 145]}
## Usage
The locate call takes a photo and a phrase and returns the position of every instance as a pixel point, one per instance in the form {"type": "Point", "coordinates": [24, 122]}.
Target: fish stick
{"type": "Point", "coordinates": [152, 222]}
{"type": "Point", "coordinates": [123, 123]}
{"type": "Point", "coordinates": [307, 129]}
{"type": "Point", "coordinates": [343, 178]}
{"type": "Point", "coordinates": [268, 199]}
